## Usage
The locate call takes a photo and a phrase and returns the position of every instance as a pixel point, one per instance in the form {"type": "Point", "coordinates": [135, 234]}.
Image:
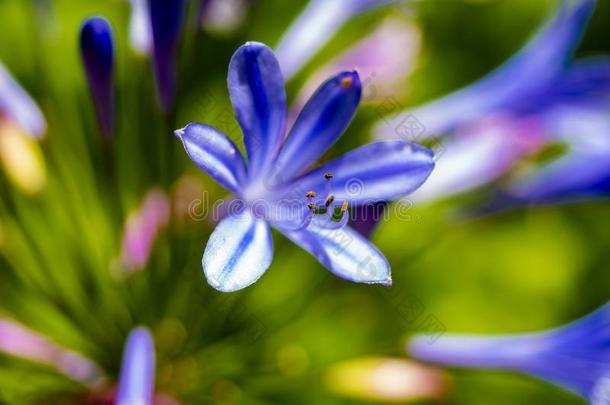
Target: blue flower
{"type": "Point", "coordinates": [526, 77]}
{"type": "Point", "coordinates": [320, 20]}
{"type": "Point", "coordinates": [137, 379]}
{"type": "Point", "coordinates": [166, 21]}
{"type": "Point", "coordinates": [97, 52]}
{"type": "Point", "coordinates": [17, 106]}
{"type": "Point", "coordinates": [278, 186]}
{"type": "Point", "coordinates": [576, 356]}
{"type": "Point", "coordinates": [538, 97]}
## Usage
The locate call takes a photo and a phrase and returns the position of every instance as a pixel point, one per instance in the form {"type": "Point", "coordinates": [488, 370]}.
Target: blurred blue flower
{"type": "Point", "coordinates": [576, 356]}
{"type": "Point", "coordinates": [275, 188]}
{"type": "Point", "coordinates": [167, 20]}
{"type": "Point", "coordinates": [97, 52]}
{"type": "Point", "coordinates": [525, 78]}
{"type": "Point", "coordinates": [136, 384]}
{"type": "Point", "coordinates": [320, 20]}
{"type": "Point", "coordinates": [583, 173]}
{"type": "Point", "coordinates": [512, 113]}
{"type": "Point", "coordinates": [16, 105]}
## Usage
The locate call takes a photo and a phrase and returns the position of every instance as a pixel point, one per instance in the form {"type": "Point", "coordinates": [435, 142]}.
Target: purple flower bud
{"type": "Point", "coordinates": [167, 18]}
{"type": "Point", "coordinates": [97, 52]}
{"type": "Point", "coordinates": [136, 383]}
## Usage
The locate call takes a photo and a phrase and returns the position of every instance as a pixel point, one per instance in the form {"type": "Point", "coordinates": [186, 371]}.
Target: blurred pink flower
{"type": "Point", "coordinates": [142, 228]}
{"type": "Point", "coordinates": [17, 340]}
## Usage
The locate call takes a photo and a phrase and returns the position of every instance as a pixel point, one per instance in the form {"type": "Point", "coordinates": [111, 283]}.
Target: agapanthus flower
{"type": "Point", "coordinates": [17, 106]}
{"type": "Point", "coordinates": [525, 78]}
{"type": "Point", "coordinates": [576, 356]}
{"type": "Point", "coordinates": [278, 187]}
{"type": "Point", "coordinates": [580, 121]}
{"type": "Point", "coordinates": [320, 20]}
{"type": "Point", "coordinates": [166, 21]}
{"type": "Point", "coordinates": [479, 154]}
{"type": "Point", "coordinates": [97, 53]}
{"type": "Point", "coordinates": [493, 124]}
{"type": "Point", "coordinates": [137, 379]}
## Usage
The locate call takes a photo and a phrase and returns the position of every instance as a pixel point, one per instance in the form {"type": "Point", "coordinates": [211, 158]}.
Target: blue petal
{"type": "Point", "coordinates": [320, 124]}
{"type": "Point", "coordinates": [238, 253]}
{"type": "Point", "coordinates": [477, 158]}
{"type": "Point", "coordinates": [576, 356]}
{"type": "Point", "coordinates": [214, 153]}
{"type": "Point", "coordinates": [257, 92]}
{"type": "Point", "coordinates": [380, 171]}
{"type": "Point", "coordinates": [166, 20]}
{"type": "Point", "coordinates": [526, 75]}
{"type": "Point", "coordinates": [18, 106]}
{"type": "Point", "coordinates": [571, 178]}
{"type": "Point", "coordinates": [97, 52]}
{"type": "Point", "coordinates": [586, 82]}
{"type": "Point", "coordinates": [320, 20]}
{"type": "Point", "coordinates": [345, 253]}
{"type": "Point", "coordinates": [582, 173]}
{"type": "Point", "coordinates": [136, 383]}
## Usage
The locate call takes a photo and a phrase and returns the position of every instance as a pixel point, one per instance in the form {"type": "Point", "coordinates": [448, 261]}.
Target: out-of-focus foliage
{"type": "Point", "coordinates": [60, 248]}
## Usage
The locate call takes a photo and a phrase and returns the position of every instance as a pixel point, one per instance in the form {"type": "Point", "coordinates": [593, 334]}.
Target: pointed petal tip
{"type": "Point", "coordinates": [227, 287]}
{"type": "Point", "coordinates": [97, 23]}
{"type": "Point", "coordinates": [254, 46]}
{"type": "Point", "coordinates": [349, 79]}
{"type": "Point", "coordinates": [387, 282]}
{"type": "Point", "coordinates": [179, 133]}
{"type": "Point", "coordinates": [224, 287]}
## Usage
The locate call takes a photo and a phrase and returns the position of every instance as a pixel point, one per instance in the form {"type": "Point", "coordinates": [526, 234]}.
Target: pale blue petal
{"type": "Point", "coordinates": [381, 171]}
{"type": "Point", "coordinates": [214, 153]}
{"type": "Point", "coordinates": [238, 253]}
{"type": "Point", "coordinates": [345, 253]}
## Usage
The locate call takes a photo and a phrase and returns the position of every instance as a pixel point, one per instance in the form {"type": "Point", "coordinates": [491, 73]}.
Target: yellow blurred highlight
{"type": "Point", "coordinates": [21, 158]}
{"type": "Point", "coordinates": [385, 379]}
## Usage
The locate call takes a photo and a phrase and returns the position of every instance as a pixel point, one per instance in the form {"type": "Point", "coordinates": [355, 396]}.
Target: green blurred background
{"type": "Point", "coordinates": [273, 342]}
